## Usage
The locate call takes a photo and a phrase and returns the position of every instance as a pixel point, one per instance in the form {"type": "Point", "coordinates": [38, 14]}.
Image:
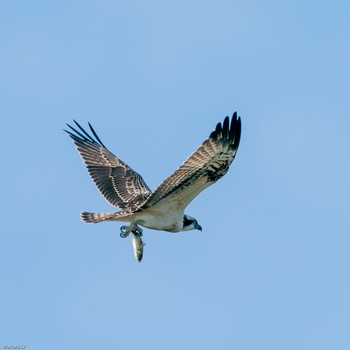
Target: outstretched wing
{"type": "Point", "coordinates": [119, 184]}
{"type": "Point", "coordinates": [204, 167]}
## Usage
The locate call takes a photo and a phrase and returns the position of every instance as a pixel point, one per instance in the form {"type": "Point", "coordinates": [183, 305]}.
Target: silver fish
{"type": "Point", "coordinates": [137, 244]}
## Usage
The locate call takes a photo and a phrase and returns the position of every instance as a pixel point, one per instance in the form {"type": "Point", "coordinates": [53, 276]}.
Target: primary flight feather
{"type": "Point", "coordinates": [164, 208]}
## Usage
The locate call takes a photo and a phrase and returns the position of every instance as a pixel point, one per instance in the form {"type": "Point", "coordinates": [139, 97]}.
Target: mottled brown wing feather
{"type": "Point", "coordinates": [119, 184]}
{"type": "Point", "coordinates": [204, 167]}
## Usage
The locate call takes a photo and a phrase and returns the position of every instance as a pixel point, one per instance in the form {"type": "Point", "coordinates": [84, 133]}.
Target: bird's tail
{"type": "Point", "coordinates": [93, 218]}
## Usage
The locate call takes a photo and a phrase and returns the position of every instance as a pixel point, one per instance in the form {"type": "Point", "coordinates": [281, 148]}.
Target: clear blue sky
{"type": "Point", "coordinates": [271, 268]}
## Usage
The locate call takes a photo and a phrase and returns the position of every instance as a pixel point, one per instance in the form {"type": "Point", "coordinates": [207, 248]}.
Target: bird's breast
{"type": "Point", "coordinates": [160, 219]}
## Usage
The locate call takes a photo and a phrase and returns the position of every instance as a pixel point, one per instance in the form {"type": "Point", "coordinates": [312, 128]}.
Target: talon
{"type": "Point", "coordinates": [138, 232]}
{"type": "Point", "coordinates": [123, 232]}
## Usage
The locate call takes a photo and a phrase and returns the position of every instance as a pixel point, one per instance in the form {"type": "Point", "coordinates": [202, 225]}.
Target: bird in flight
{"type": "Point", "coordinates": [163, 209]}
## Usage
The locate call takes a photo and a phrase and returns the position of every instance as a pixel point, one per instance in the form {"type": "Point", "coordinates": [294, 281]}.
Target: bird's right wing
{"type": "Point", "coordinates": [119, 184]}
{"type": "Point", "coordinates": [204, 167]}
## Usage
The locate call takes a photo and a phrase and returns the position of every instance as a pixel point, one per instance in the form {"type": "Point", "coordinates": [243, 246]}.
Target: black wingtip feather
{"type": "Point", "coordinates": [228, 131]}
{"type": "Point", "coordinates": [82, 134]}
{"type": "Point", "coordinates": [77, 132]}
{"type": "Point", "coordinates": [213, 135]}
{"type": "Point", "coordinates": [237, 132]}
{"type": "Point", "coordinates": [233, 125]}
{"type": "Point", "coordinates": [97, 138]}
{"type": "Point", "coordinates": [225, 128]}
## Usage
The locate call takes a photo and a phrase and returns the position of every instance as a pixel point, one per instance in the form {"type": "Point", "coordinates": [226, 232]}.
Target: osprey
{"type": "Point", "coordinates": [164, 208]}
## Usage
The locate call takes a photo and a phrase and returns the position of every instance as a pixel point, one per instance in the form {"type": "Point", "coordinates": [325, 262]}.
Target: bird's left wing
{"type": "Point", "coordinates": [122, 186]}
{"type": "Point", "coordinates": [204, 167]}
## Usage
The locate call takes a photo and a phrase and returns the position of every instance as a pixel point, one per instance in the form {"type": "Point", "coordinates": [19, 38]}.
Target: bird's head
{"type": "Point", "coordinates": [190, 223]}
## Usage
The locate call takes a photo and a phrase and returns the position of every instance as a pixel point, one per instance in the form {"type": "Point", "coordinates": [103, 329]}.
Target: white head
{"type": "Point", "coordinates": [190, 223]}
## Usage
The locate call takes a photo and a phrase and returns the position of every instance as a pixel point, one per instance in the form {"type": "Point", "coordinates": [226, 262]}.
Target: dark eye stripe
{"type": "Point", "coordinates": [187, 222]}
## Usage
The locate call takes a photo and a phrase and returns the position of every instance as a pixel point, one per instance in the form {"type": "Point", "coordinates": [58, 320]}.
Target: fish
{"type": "Point", "coordinates": [137, 244]}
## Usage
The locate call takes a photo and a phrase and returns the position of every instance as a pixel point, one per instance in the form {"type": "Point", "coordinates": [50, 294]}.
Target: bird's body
{"type": "Point", "coordinates": [164, 208]}
{"type": "Point", "coordinates": [168, 218]}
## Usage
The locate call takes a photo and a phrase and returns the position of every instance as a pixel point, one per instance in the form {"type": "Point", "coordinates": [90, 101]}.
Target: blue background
{"type": "Point", "coordinates": [271, 268]}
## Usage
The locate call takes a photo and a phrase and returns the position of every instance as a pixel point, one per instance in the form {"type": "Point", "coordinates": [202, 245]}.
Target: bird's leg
{"type": "Point", "coordinates": [126, 230]}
